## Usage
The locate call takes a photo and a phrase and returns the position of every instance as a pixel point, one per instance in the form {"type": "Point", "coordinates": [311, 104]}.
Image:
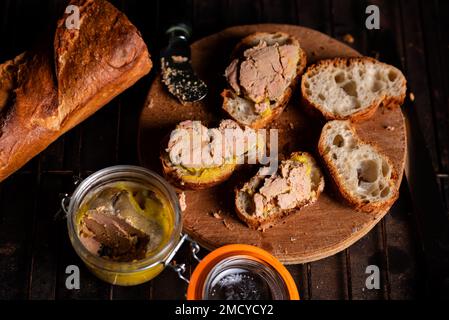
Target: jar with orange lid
{"type": "Point", "coordinates": [142, 211]}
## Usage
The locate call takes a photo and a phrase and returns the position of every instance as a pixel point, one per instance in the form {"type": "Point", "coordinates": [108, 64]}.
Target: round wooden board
{"type": "Point", "coordinates": [315, 232]}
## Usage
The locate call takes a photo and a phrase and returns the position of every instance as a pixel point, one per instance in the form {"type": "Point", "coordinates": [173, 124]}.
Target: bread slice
{"type": "Point", "coordinates": [239, 102]}
{"type": "Point", "coordinates": [352, 88]}
{"type": "Point", "coordinates": [195, 179]}
{"type": "Point", "coordinates": [307, 188]}
{"type": "Point", "coordinates": [364, 176]}
{"type": "Point", "coordinates": [200, 175]}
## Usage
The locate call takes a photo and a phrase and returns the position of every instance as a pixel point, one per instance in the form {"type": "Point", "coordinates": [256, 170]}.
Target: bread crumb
{"type": "Point", "coordinates": [390, 128]}
{"type": "Point", "coordinates": [348, 38]}
{"type": "Point", "coordinates": [228, 225]}
{"type": "Point", "coordinates": [182, 201]}
{"type": "Point", "coordinates": [292, 126]}
{"type": "Point", "coordinates": [412, 96]}
{"type": "Point", "coordinates": [179, 59]}
{"type": "Point", "coordinates": [217, 215]}
{"type": "Point", "coordinates": [292, 239]}
{"type": "Point", "coordinates": [150, 104]}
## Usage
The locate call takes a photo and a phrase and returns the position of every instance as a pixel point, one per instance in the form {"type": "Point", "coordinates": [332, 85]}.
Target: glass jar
{"type": "Point", "coordinates": [124, 273]}
{"type": "Point", "coordinates": [241, 272]}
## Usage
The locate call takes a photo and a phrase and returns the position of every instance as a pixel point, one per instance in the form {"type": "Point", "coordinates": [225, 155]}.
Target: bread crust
{"type": "Point", "coordinates": [178, 179]}
{"type": "Point", "coordinates": [261, 122]}
{"type": "Point", "coordinates": [358, 116]}
{"type": "Point", "coordinates": [250, 41]}
{"type": "Point", "coordinates": [262, 224]}
{"type": "Point", "coordinates": [373, 207]}
{"type": "Point", "coordinates": [57, 87]}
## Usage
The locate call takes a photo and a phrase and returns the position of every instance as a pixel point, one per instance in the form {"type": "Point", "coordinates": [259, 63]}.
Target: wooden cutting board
{"type": "Point", "coordinates": [313, 233]}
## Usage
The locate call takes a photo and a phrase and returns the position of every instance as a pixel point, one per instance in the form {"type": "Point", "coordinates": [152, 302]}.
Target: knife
{"type": "Point", "coordinates": [177, 72]}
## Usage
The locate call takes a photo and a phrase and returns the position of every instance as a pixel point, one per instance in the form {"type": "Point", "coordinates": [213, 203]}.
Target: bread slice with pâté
{"type": "Point", "coordinates": [196, 157]}
{"type": "Point", "coordinates": [265, 200]}
{"type": "Point", "coordinates": [262, 75]}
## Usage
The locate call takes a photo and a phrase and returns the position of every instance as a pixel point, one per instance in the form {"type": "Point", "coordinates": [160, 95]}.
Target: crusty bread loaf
{"type": "Point", "coordinates": [93, 65]}
{"type": "Point", "coordinates": [364, 176]}
{"type": "Point", "coordinates": [177, 156]}
{"type": "Point", "coordinates": [238, 103]}
{"type": "Point", "coordinates": [352, 88]}
{"type": "Point", "coordinates": [245, 197]}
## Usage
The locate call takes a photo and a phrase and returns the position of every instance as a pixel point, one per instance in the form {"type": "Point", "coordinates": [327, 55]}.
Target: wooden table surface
{"type": "Point", "coordinates": [414, 36]}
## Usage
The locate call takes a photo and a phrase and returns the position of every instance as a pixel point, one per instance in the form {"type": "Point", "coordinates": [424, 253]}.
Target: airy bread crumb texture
{"type": "Point", "coordinates": [363, 175]}
{"type": "Point", "coordinates": [341, 88]}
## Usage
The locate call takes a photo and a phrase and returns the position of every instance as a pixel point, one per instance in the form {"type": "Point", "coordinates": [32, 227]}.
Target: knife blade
{"type": "Point", "coordinates": [176, 69]}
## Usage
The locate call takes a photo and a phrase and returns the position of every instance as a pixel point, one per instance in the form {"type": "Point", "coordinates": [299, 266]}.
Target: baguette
{"type": "Point", "coordinates": [352, 88]}
{"type": "Point", "coordinates": [188, 169]}
{"type": "Point", "coordinates": [363, 175]}
{"type": "Point", "coordinates": [264, 201]}
{"type": "Point", "coordinates": [261, 77]}
{"type": "Point", "coordinates": [47, 91]}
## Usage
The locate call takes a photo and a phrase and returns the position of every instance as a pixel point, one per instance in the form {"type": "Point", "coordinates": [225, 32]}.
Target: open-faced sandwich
{"type": "Point", "coordinates": [197, 157]}
{"type": "Point", "coordinates": [265, 200]}
{"type": "Point", "coordinates": [352, 88]}
{"type": "Point", "coordinates": [363, 175]}
{"type": "Point", "coordinates": [261, 77]}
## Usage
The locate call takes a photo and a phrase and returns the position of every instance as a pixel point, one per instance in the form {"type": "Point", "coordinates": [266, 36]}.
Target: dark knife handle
{"type": "Point", "coordinates": [180, 30]}
{"type": "Point", "coordinates": [178, 40]}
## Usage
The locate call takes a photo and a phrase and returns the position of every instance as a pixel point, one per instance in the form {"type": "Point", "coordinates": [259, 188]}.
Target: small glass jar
{"type": "Point", "coordinates": [241, 272]}
{"type": "Point", "coordinates": [124, 273]}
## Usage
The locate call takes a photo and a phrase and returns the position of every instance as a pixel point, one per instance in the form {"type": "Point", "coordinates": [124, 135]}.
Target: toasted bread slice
{"type": "Point", "coordinates": [267, 63]}
{"type": "Point", "coordinates": [265, 200]}
{"type": "Point", "coordinates": [352, 88]}
{"type": "Point", "coordinates": [364, 176]}
{"type": "Point", "coordinates": [191, 179]}
{"type": "Point", "coordinates": [190, 170]}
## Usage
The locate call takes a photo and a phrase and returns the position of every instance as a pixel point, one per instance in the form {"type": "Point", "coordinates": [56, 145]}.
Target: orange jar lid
{"type": "Point", "coordinates": [260, 260]}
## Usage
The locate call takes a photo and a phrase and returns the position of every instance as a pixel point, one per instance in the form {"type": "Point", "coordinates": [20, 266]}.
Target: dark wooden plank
{"type": "Point", "coordinates": [329, 278]}
{"type": "Point", "coordinates": [366, 252]}
{"type": "Point", "coordinates": [16, 207]}
{"type": "Point", "coordinates": [273, 11]}
{"type": "Point", "coordinates": [167, 286]}
{"type": "Point", "coordinates": [384, 45]}
{"type": "Point", "coordinates": [417, 74]}
{"type": "Point", "coordinates": [240, 12]}
{"type": "Point", "coordinates": [299, 274]}
{"type": "Point", "coordinates": [435, 19]}
{"type": "Point", "coordinates": [402, 250]}
{"type": "Point", "coordinates": [45, 238]}
{"type": "Point", "coordinates": [208, 17]}
{"type": "Point", "coordinates": [315, 14]}
{"type": "Point", "coordinates": [99, 137]}
{"type": "Point", "coordinates": [349, 23]}
{"type": "Point", "coordinates": [432, 224]}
